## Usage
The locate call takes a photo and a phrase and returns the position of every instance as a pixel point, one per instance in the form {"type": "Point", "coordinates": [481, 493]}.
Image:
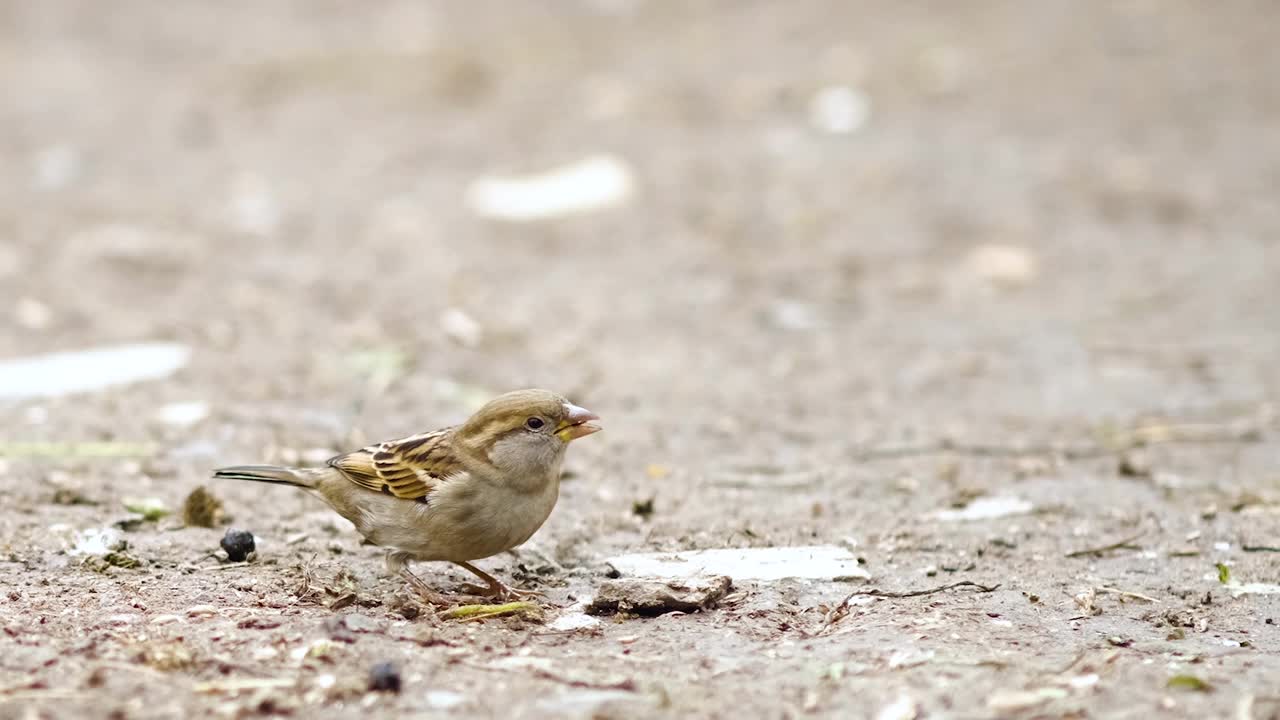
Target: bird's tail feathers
{"type": "Point", "coordinates": [296, 477]}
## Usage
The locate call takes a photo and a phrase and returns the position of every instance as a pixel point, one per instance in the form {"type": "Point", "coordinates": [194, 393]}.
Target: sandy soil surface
{"type": "Point", "coordinates": [878, 260]}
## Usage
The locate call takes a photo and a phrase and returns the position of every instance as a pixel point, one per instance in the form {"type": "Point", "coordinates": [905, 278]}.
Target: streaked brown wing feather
{"type": "Point", "coordinates": [408, 468]}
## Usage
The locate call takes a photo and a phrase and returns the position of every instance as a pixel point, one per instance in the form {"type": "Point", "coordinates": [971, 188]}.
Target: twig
{"type": "Point", "coordinates": [211, 568]}
{"type": "Point", "coordinates": [1126, 543]}
{"type": "Point", "coordinates": [835, 614]}
{"type": "Point", "coordinates": [1126, 593]}
{"type": "Point", "coordinates": [1259, 548]}
{"type": "Point", "coordinates": [917, 593]}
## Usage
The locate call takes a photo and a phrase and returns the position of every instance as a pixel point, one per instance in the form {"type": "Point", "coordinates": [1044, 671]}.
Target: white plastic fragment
{"type": "Point", "coordinates": [64, 373]}
{"type": "Point", "coordinates": [96, 542]}
{"type": "Point", "coordinates": [444, 699]}
{"type": "Point", "coordinates": [593, 183]}
{"type": "Point", "coordinates": [986, 508]}
{"type": "Point", "coordinates": [909, 658]}
{"type": "Point", "coordinates": [1080, 682]}
{"type": "Point", "coordinates": [839, 110]}
{"type": "Point", "coordinates": [815, 562]}
{"type": "Point", "coordinates": [573, 621]}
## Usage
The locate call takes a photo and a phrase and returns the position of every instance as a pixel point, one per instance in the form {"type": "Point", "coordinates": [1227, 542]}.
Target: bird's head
{"type": "Point", "coordinates": [526, 431]}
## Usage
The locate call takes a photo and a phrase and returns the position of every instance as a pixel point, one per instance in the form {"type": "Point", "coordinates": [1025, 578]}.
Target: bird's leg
{"type": "Point", "coordinates": [398, 564]}
{"type": "Point", "coordinates": [496, 588]}
{"type": "Point", "coordinates": [424, 591]}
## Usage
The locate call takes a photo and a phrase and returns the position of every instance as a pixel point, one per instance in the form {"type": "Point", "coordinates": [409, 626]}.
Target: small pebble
{"type": "Point", "coordinates": [238, 544]}
{"type": "Point", "coordinates": [384, 677]}
{"type": "Point", "coordinates": [1135, 463]}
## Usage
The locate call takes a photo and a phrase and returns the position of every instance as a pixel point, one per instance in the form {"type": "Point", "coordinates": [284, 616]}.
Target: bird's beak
{"type": "Point", "coordinates": [577, 423]}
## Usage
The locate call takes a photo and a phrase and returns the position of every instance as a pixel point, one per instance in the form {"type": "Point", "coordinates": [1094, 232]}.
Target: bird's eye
{"type": "Point", "coordinates": [534, 423]}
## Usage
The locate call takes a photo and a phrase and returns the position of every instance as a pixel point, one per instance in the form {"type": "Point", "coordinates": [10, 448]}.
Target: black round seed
{"type": "Point", "coordinates": [384, 677]}
{"type": "Point", "coordinates": [238, 544]}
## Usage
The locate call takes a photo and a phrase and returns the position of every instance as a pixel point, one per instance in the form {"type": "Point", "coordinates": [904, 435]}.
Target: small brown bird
{"type": "Point", "coordinates": [458, 494]}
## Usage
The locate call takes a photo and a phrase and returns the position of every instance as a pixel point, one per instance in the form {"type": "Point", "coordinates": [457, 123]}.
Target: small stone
{"type": "Point", "coordinates": [238, 544]}
{"type": "Point", "coordinates": [202, 611]}
{"type": "Point", "coordinates": [384, 677]}
{"type": "Point", "coordinates": [354, 622]}
{"type": "Point", "coordinates": [1135, 463]}
{"type": "Point", "coordinates": [656, 597]}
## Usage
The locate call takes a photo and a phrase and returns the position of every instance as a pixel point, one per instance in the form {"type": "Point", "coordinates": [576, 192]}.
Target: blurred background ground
{"type": "Point", "coordinates": [838, 229]}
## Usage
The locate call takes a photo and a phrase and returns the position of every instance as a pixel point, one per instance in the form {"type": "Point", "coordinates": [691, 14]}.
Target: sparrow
{"type": "Point", "coordinates": [457, 494]}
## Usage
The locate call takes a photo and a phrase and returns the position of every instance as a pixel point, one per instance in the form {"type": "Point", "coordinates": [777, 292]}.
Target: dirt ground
{"type": "Point", "coordinates": [879, 260]}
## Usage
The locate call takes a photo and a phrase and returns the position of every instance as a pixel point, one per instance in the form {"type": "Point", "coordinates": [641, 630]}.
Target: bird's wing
{"type": "Point", "coordinates": [408, 468]}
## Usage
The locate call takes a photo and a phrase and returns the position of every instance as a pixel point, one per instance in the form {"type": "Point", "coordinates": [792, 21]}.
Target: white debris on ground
{"type": "Point", "coordinates": [787, 314]}
{"type": "Point", "coordinates": [32, 314]}
{"type": "Point", "coordinates": [574, 620]}
{"type": "Point", "coordinates": [1237, 588]}
{"type": "Point", "coordinates": [1007, 701]}
{"type": "Point", "coordinates": [594, 183]}
{"type": "Point", "coordinates": [814, 562]}
{"type": "Point", "coordinates": [839, 110]}
{"type": "Point", "coordinates": [56, 167]}
{"type": "Point", "coordinates": [461, 328]}
{"type": "Point", "coordinates": [444, 699]}
{"type": "Point", "coordinates": [183, 414]}
{"type": "Point", "coordinates": [252, 205]}
{"type": "Point", "coordinates": [96, 542]}
{"type": "Point", "coordinates": [985, 508]}
{"type": "Point", "coordinates": [904, 708]}
{"type": "Point", "coordinates": [1004, 266]}
{"type": "Point", "coordinates": [64, 373]}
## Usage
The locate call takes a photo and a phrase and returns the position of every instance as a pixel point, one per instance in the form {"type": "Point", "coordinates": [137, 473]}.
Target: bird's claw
{"type": "Point", "coordinates": [499, 591]}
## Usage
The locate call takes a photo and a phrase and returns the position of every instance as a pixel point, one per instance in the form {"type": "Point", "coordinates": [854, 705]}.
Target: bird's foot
{"type": "Point", "coordinates": [499, 591]}
{"type": "Point", "coordinates": [424, 591]}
